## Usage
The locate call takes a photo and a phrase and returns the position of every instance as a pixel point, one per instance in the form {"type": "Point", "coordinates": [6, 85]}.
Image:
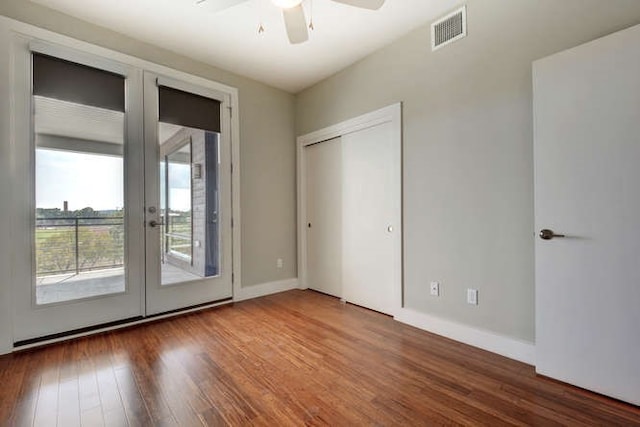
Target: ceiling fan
{"type": "Point", "coordinates": [293, 13]}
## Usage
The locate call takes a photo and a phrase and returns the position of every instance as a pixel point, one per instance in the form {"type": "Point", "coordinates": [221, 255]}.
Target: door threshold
{"type": "Point", "coordinates": [111, 326]}
{"type": "Point", "coordinates": [190, 308]}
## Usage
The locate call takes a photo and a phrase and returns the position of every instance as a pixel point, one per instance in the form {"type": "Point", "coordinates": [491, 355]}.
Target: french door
{"type": "Point", "coordinates": [123, 194]}
{"type": "Point", "coordinates": [187, 194]}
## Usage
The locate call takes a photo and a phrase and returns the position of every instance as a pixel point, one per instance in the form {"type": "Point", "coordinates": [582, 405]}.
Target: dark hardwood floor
{"type": "Point", "coordinates": [294, 358]}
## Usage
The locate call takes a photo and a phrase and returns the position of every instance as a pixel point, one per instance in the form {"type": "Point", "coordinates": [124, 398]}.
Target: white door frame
{"type": "Point", "coordinates": [13, 31]}
{"type": "Point", "coordinates": [390, 114]}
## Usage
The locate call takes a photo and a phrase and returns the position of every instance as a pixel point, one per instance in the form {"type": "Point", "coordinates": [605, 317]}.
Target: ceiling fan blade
{"type": "Point", "coordinates": [218, 5]}
{"type": "Point", "coordinates": [364, 4]}
{"type": "Point", "coordinates": [296, 24]}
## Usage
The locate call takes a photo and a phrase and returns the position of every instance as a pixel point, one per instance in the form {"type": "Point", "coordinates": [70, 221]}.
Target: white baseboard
{"type": "Point", "coordinates": [263, 289]}
{"type": "Point", "coordinates": [512, 348]}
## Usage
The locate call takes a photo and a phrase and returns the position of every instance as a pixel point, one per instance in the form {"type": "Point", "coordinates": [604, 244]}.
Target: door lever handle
{"type": "Point", "coordinates": [547, 234]}
{"type": "Point", "coordinates": [154, 223]}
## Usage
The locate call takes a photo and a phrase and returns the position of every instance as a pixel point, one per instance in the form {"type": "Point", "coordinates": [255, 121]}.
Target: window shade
{"type": "Point", "coordinates": [59, 79]}
{"type": "Point", "coordinates": [187, 109]}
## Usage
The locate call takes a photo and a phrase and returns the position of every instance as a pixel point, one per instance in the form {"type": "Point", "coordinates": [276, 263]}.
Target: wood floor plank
{"type": "Point", "coordinates": [46, 413]}
{"type": "Point", "coordinates": [25, 397]}
{"type": "Point", "coordinates": [291, 359]}
{"type": "Point", "coordinates": [135, 409]}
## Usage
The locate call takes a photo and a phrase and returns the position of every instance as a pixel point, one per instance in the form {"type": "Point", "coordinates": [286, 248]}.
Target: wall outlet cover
{"type": "Point", "coordinates": [472, 296]}
{"type": "Point", "coordinates": [435, 289]}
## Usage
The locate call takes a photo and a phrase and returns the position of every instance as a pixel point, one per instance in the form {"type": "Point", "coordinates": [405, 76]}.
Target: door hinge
{"type": "Point", "coordinates": [230, 111]}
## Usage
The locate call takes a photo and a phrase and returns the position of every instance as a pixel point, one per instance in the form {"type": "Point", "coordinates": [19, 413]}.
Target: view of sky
{"type": "Point", "coordinates": [84, 180]}
{"type": "Point", "coordinates": [91, 180]}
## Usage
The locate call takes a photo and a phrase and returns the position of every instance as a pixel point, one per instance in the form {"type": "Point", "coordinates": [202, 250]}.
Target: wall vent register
{"type": "Point", "coordinates": [449, 28]}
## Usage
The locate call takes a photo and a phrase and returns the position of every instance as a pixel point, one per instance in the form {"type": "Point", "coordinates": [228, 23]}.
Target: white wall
{"type": "Point", "coordinates": [468, 162]}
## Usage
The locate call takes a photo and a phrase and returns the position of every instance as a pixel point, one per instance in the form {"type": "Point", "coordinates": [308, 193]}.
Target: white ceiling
{"type": "Point", "coordinates": [229, 39]}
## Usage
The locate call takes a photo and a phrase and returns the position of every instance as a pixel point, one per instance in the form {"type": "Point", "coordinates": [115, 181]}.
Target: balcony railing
{"type": "Point", "coordinates": [78, 244]}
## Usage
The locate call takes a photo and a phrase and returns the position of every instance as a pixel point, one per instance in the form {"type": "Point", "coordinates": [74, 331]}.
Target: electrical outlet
{"type": "Point", "coordinates": [279, 263]}
{"type": "Point", "coordinates": [472, 296]}
{"type": "Point", "coordinates": [435, 289]}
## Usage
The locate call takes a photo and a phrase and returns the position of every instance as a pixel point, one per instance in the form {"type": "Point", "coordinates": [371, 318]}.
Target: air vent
{"type": "Point", "coordinates": [449, 28]}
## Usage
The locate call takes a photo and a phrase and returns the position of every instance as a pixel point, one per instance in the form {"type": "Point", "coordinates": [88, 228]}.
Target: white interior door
{"type": "Point", "coordinates": [324, 216]}
{"type": "Point", "coordinates": [587, 151]}
{"type": "Point", "coordinates": [187, 195]}
{"type": "Point", "coordinates": [371, 221]}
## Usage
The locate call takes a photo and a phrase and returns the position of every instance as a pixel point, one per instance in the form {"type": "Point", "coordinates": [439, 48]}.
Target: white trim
{"type": "Point", "coordinates": [505, 346]}
{"type": "Point", "coordinates": [264, 289]}
{"type": "Point", "coordinates": [236, 228]}
{"type": "Point", "coordinates": [301, 201]}
{"type": "Point", "coordinates": [392, 114]}
{"type": "Point", "coordinates": [383, 115]}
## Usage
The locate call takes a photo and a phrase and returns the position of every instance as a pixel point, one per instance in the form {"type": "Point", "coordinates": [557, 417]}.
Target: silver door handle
{"type": "Point", "coordinates": [154, 223]}
{"type": "Point", "coordinates": [547, 234]}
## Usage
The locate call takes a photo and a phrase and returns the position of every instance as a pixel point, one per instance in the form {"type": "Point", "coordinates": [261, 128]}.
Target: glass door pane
{"type": "Point", "coordinates": [178, 246]}
{"type": "Point", "coordinates": [188, 208]}
{"type": "Point", "coordinates": [79, 221]}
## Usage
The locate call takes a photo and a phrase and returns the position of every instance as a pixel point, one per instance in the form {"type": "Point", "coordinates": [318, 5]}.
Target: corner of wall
{"type": "Point", "coordinates": [521, 351]}
{"type": "Point", "coordinates": [264, 289]}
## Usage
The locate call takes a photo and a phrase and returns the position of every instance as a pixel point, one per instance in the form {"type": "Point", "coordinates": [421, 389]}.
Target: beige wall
{"type": "Point", "coordinates": [267, 142]}
{"type": "Point", "coordinates": [468, 162]}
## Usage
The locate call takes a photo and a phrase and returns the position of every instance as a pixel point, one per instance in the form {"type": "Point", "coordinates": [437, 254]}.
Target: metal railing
{"type": "Point", "coordinates": [78, 244]}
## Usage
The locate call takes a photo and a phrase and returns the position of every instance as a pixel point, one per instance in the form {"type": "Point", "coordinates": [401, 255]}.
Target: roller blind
{"type": "Point", "coordinates": [64, 80]}
{"type": "Point", "coordinates": [187, 109]}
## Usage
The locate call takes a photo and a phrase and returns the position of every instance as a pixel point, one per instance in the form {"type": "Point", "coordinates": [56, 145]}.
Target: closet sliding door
{"type": "Point", "coordinates": [351, 195]}
{"type": "Point", "coordinates": [370, 218]}
{"type": "Point", "coordinates": [324, 216]}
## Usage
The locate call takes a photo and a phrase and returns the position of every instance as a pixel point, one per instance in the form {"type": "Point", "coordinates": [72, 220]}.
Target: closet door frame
{"type": "Point", "coordinates": [390, 114]}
